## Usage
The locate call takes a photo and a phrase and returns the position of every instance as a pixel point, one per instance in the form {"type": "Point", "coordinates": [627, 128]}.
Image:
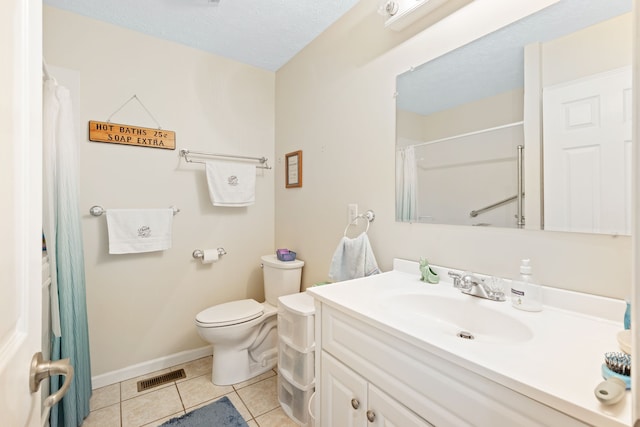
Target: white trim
{"type": "Point", "coordinates": [143, 368]}
{"type": "Point", "coordinates": [635, 246]}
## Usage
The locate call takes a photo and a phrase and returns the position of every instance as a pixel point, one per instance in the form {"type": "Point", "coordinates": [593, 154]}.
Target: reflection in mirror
{"type": "Point", "coordinates": [558, 83]}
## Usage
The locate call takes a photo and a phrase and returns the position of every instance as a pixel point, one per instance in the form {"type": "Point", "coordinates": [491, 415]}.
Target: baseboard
{"type": "Point", "coordinates": [144, 368]}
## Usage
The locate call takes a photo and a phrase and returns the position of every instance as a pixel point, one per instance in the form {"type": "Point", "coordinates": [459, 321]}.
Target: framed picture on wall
{"type": "Point", "coordinates": [293, 176]}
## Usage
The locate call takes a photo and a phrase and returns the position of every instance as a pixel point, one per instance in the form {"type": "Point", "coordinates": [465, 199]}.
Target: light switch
{"type": "Point", "coordinates": [352, 212]}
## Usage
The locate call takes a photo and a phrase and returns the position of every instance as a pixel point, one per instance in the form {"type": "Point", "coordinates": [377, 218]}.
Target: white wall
{"type": "Point", "coordinates": [335, 102]}
{"type": "Point", "coordinates": [142, 307]}
{"type": "Point", "coordinates": [565, 59]}
{"type": "Point", "coordinates": [497, 110]}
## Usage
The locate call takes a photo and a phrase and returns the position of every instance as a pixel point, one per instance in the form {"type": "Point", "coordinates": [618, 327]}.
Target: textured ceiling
{"type": "Point", "coordinates": [495, 63]}
{"type": "Point", "coordinates": [262, 33]}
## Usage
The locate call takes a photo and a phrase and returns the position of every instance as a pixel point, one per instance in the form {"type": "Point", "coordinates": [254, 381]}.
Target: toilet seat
{"type": "Point", "coordinates": [230, 313]}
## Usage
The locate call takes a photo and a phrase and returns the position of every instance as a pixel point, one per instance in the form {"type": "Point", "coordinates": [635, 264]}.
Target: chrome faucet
{"type": "Point", "coordinates": [472, 285]}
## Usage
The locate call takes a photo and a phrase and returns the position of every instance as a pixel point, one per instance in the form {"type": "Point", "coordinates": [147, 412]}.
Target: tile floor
{"type": "Point", "coordinates": [121, 405]}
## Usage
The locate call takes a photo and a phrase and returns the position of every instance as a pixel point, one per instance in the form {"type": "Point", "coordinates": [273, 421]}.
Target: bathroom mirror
{"type": "Point", "coordinates": [558, 84]}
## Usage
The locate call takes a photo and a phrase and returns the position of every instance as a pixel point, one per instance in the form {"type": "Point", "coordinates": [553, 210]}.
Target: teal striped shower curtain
{"type": "Point", "coordinates": [63, 234]}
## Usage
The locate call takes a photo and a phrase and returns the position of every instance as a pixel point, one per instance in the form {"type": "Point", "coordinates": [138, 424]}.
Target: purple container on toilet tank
{"type": "Point", "coordinates": [285, 255]}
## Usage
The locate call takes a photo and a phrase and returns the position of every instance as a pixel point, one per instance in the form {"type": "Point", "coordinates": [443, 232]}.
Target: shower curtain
{"type": "Point", "coordinates": [63, 235]}
{"type": "Point", "coordinates": [406, 185]}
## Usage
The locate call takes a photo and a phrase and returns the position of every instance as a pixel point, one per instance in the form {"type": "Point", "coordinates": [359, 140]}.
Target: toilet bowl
{"type": "Point", "coordinates": [243, 333]}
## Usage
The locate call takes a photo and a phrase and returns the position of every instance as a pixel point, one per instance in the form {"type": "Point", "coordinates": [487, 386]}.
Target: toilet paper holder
{"type": "Point", "coordinates": [199, 253]}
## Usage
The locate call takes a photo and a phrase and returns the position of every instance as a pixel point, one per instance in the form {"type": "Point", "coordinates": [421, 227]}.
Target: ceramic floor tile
{"type": "Point", "coordinates": [162, 420]}
{"type": "Point", "coordinates": [256, 399]}
{"type": "Point", "coordinates": [260, 397]}
{"type": "Point", "coordinates": [105, 396]}
{"type": "Point", "coordinates": [150, 407]}
{"type": "Point", "coordinates": [196, 368]}
{"type": "Point", "coordinates": [240, 406]}
{"type": "Point", "coordinates": [199, 390]}
{"type": "Point", "coordinates": [129, 388]}
{"type": "Point", "coordinates": [105, 417]}
{"type": "Point", "coordinates": [235, 400]}
{"type": "Point", "coordinates": [254, 380]}
{"type": "Point", "coordinates": [275, 418]}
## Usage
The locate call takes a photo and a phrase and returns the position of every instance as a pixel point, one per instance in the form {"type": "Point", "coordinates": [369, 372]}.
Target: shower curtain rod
{"type": "Point", "coordinates": [462, 135]}
{"type": "Point", "coordinates": [185, 153]}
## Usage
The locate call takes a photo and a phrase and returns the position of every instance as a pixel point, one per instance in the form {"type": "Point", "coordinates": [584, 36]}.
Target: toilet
{"type": "Point", "coordinates": [243, 333]}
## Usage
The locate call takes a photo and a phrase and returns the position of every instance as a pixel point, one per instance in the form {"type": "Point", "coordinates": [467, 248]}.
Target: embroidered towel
{"type": "Point", "coordinates": [353, 258]}
{"type": "Point", "coordinates": [139, 230]}
{"type": "Point", "coordinates": [231, 183]}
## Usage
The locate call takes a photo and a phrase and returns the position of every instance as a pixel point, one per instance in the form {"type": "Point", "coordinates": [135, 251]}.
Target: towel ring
{"type": "Point", "coordinates": [368, 215]}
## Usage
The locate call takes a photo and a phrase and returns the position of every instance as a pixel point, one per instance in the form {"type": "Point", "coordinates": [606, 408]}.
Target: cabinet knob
{"type": "Point", "coordinates": [355, 404]}
{"type": "Point", "coordinates": [371, 416]}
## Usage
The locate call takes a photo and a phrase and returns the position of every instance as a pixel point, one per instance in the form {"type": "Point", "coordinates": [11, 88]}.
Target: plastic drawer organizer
{"type": "Point", "coordinates": [296, 357]}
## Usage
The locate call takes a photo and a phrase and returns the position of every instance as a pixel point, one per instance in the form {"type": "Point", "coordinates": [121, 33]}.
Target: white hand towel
{"type": "Point", "coordinates": [231, 183]}
{"type": "Point", "coordinates": [139, 230]}
{"type": "Point", "coordinates": [353, 258]}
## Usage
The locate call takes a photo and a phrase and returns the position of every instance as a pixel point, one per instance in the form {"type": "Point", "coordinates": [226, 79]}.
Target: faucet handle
{"type": "Point", "coordinates": [469, 280]}
{"type": "Point", "coordinates": [456, 279]}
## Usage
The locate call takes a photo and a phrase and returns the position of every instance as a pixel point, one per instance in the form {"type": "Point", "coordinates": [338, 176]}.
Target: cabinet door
{"type": "Point", "coordinates": [387, 412]}
{"type": "Point", "coordinates": [343, 395]}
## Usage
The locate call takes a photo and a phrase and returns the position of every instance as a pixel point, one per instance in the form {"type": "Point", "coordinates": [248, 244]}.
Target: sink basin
{"type": "Point", "coordinates": [459, 316]}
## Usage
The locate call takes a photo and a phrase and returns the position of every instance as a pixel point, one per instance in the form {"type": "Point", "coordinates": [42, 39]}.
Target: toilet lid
{"type": "Point", "coordinates": [230, 313]}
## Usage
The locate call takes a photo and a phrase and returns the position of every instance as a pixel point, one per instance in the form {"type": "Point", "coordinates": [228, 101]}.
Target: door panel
{"type": "Point", "coordinates": [343, 396]}
{"type": "Point", "coordinates": [389, 413]}
{"type": "Point", "coordinates": [20, 215]}
{"type": "Point", "coordinates": [587, 140]}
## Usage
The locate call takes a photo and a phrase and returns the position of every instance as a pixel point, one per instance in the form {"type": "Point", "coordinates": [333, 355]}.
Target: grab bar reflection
{"type": "Point", "coordinates": [477, 212]}
{"type": "Point", "coordinates": [519, 196]}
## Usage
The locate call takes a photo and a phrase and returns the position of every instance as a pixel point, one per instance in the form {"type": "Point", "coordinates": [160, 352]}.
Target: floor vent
{"type": "Point", "coordinates": [161, 379]}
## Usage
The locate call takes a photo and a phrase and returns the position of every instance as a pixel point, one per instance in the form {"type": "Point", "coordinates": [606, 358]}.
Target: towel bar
{"type": "Point", "coordinates": [186, 153]}
{"type": "Point", "coordinates": [99, 210]}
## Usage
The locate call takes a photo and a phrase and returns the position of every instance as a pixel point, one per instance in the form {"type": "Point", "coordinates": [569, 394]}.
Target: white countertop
{"type": "Point", "coordinates": [558, 366]}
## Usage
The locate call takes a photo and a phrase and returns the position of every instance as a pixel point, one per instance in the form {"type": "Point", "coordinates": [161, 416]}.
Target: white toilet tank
{"type": "Point", "coordinates": [280, 277]}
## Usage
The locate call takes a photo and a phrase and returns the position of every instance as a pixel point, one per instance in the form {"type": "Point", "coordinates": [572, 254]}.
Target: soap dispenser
{"type": "Point", "coordinates": [525, 294]}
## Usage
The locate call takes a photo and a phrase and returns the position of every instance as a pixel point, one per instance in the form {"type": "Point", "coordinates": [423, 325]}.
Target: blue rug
{"type": "Point", "coordinates": [220, 413]}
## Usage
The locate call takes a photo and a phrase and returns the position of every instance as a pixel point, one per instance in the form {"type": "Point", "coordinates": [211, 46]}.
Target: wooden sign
{"type": "Point", "coordinates": [131, 135]}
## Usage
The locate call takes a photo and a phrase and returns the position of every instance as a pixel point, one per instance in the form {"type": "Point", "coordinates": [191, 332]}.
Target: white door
{"type": "Point", "coordinates": [20, 211]}
{"type": "Point", "coordinates": [587, 153]}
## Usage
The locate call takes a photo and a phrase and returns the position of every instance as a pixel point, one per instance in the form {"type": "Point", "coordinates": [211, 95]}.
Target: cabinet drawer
{"type": "Point", "coordinates": [432, 387]}
{"type": "Point", "coordinates": [298, 366]}
{"type": "Point", "coordinates": [294, 400]}
{"type": "Point", "coordinates": [295, 328]}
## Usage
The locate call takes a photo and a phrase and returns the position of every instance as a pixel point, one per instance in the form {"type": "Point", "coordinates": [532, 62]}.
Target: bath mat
{"type": "Point", "coordinates": [220, 413]}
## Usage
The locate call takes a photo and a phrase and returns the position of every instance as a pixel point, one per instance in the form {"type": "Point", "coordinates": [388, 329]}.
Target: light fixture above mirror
{"type": "Point", "coordinates": [399, 14]}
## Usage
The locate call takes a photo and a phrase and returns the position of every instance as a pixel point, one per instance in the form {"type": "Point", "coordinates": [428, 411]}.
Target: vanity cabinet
{"type": "Point", "coordinates": [348, 400]}
{"type": "Point", "coordinates": [407, 383]}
